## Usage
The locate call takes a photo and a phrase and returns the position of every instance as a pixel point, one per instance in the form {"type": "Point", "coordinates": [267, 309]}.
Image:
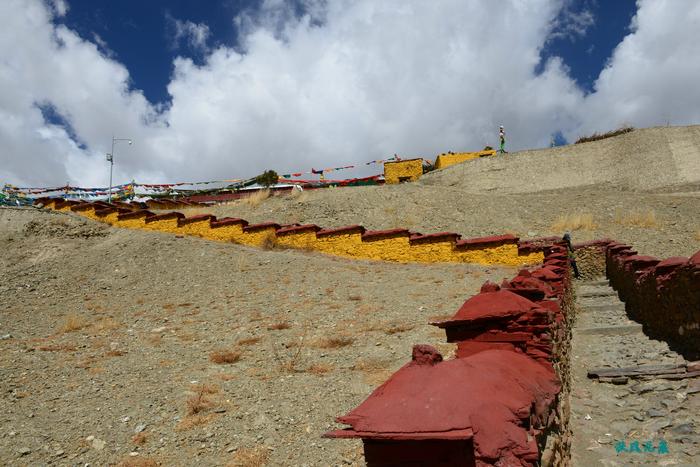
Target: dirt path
{"type": "Point", "coordinates": [641, 422]}
{"type": "Point", "coordinates": [108, 337]}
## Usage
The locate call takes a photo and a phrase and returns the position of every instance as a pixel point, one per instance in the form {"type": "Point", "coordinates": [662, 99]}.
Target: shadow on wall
{"type": "Point", "coordinates": [664, 296]}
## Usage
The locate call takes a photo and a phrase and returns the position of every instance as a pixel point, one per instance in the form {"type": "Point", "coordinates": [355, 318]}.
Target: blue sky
{"type": "Point", "coordinates": [229, 88]}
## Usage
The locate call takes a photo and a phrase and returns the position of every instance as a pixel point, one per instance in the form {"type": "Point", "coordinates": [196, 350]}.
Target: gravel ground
{"type": "Point", "coordinates": [107, 336]}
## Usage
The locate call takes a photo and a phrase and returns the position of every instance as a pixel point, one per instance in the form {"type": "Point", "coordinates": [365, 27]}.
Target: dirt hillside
{"type": "Point", "coordinates": [120, 346]}
{"type": "Point", "coordinates": [641, 160]}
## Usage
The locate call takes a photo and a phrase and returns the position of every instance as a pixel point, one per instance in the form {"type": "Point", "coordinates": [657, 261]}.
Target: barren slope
{"type": "Point", "coordinates": [644, 159]}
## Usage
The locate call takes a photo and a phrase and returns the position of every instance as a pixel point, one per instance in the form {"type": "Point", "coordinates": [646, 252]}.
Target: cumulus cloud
{"type": "Point", "coordinates": [335, 83]}
{"type": "Point", "coordinates": [651, 78]}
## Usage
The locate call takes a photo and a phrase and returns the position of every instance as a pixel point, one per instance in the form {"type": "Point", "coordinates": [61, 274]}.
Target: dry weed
{"type": "Point", "coordinates": [320, 368]}
{"type": "Point", "coordinates": [200, 401]}
{"type": "Point", "coordinates": [333, 342]}
{"type": "Point", "coordinates": [224, 356]}
{"type": "Point", "coordinates": [291, 364]}
{"type": "Point", "coordinates": [74, 322]}
{"type": "Point", "coordinates": [192, 421]}
{"type": "Point", "coordinates": [697, 235]}
{"type": "Point", "coordinates": [249, 341]}
{"type": "Point", "coordinates": [140, 439]}
{"type": "Point", "coordinates": [269, 241]}
{"type": "Point", "coordinates": [224, 376]}
{"type": "Point", "coordinates": [637, 218]}
{"type": "Point", "coordinates": [278, 326]}
{"type": "Point", "coordinates": [397, 328]}
{"type": "Point", "coordinates": [250, 457]}
{"type": "Point", "coordinates": [255, 199]}
{"type": "Point", "coordinates": [575, 221]}
{"type": "Point", "coordinates": [115, 353]}
{"type": "Point", "coordinates": [106, 324]}
{"type": "Point", "coordinates": [57, 348]}
{"type": "Point", "coordinates": [355, 298]}
{"type": "Point", "coordinates": [299, 196]}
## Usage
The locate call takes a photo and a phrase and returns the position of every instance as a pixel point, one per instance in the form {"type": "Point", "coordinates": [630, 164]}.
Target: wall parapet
{"type": "Point", "coordinates": [354, 241]}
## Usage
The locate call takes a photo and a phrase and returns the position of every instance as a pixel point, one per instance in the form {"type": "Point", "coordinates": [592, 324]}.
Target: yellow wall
{"type": "Point", "coordinates": [446, 160]}
{"type": "Point", "coordinates": [343, 243]}
{"type": "Point", "coordinates": [394, 171]}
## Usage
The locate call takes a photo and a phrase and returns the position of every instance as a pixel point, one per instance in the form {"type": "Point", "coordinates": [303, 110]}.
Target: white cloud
{"type": "Point", "coordinates": [573, 22]}
{"type": "Point", "coordinates": [351, 82]}
{"type": "Point", "coordinates": [194, 35]}
{"type": "Point", "coordinates": [60, 7]}
{"type": "Point", "coordinates": [652, 77]}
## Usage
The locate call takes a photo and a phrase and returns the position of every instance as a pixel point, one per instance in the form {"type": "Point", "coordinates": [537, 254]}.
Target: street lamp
{"type": "Point", "coordinates": [110, 159]}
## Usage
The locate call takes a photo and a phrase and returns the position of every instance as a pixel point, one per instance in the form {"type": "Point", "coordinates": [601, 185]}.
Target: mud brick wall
{"type": "Point", "coordinates": [448, 159]}
{"type": "Point", "coordinates": [501, 401]}
{"type": "Point", "coordinates": [406, 170]}
{"type": "Point", "coordinates": [664, 296]}
{"type": "Point", "coordinates": [399, 245]}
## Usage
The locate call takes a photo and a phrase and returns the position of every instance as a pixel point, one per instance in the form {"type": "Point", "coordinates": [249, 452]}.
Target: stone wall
{"type": "Point", "coordinates": [399, 245]}
{"type": "Point", "coordinates": [664, 296]}
{"type": "Point", "coordinates": [501, 401]}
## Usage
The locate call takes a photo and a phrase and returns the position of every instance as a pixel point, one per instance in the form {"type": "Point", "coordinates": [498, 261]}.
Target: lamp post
{"type": "Point", "coordinates": [110, 159]}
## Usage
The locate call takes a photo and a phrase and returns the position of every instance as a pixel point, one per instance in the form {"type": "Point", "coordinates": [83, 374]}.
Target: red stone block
{"type": "Point", "coordinates": [496, 239]}
{"type": "Point", "coordinates": [370, 235]}
{"type": "Point", "coordinates": [227, 221]}
{"type": "Point", "coordinates": [441, 236]}
{"type": "Point", "coordinates": [198, 218]}
{"type": "Point", "coordinates": [297, 229]}
{"type": "Point", "coordinates": [262, 226]}
{"type": "Point", "coordinates": [164, 217]}
{"type": "Point", "coordinates": [350, 229]}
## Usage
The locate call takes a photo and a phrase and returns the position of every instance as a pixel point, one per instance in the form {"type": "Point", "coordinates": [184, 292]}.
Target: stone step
{"type": "Point", "coordinates": [613, 307]}
{"type": "Point", "coordinates": [598, 283]}
{"type": "Point", "coordinates": [612, 330]}
{"type": "Point", "coordinates": [606, 292]}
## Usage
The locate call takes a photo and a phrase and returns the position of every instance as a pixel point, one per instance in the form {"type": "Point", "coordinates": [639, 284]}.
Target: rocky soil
{"type": "Point", "coordinates": [108, 335]}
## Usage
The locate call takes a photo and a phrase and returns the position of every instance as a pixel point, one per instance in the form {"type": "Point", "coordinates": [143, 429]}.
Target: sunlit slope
{"type": "Point", "coordinates": [644, 159]}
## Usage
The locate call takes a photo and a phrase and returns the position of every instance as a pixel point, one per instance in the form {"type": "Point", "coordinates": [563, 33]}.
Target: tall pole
{"type": "Point", "coordinates": [110, 158]}
{"type": "Point", "coordinates": [111, 165]}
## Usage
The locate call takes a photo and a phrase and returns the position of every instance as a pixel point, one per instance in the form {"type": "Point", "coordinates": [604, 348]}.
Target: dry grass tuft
{"type": "Point", "coordinates": [333, 342]}
{"type": "Point", "coordinates": [697, 235]}
{"type": "Point", "coordinates": [140, 439]}
{"type": "Point", "coordinates": [269, 241]}
{"type": "Point", "coordinates": [106, 324]}
{"type": "Point", "coordinates": [74, 322]}
{"type": "Point", "coordinates": [192, 421]}
{"type": "Point", "coordinates": [224, 376]}
{"type": "Point", "coordinates": [279, 326]}
{"type": "Point", "coordinates": [255, 199]}
{"type": "Point", "coordinates": [57, 348]}
{"type": "Point", "coordinates": [320, 368]}
{"type": "Point", "coordinates": [200, 401]}
{"type": "Point", "coordinates": [250, 457]}
{"type": "Point", "coordinates": [115, 353]}
{"type": "Point", "coordinates": [291, 364]}
{"type": "Point", "coordinates": [223, 356]}
{"type": "Point", "coordinates": [355, 298]}
{"type": "Point", "coordinates": [637, 218]}
{"type": "Point", "coordinates": [609, 134]}
{"type": "Point", "coordinates": [397, 328]}
{"type": "Point", "coordinates": [249, 341]}
{"type": "Point", "coordinates": [575, 221]}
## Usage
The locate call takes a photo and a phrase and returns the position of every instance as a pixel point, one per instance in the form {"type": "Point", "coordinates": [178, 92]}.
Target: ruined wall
{"type": "Point", "coordinates": [501, 401]}
{"type": "Point", "coordinates": [406, 170]}
{"type": "Point", "coordinates": [664, 296]}
{"type": "Point", "coordinates": [398, 245]}
{"type": "Point", "coordinates": [448, 159]}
